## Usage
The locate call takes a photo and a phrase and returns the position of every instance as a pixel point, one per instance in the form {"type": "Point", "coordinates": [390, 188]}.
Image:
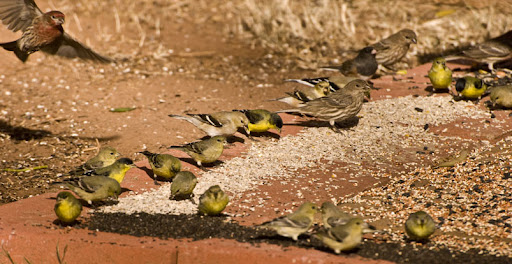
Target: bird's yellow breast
{"type": "Point", "coordinates": [260, 127]}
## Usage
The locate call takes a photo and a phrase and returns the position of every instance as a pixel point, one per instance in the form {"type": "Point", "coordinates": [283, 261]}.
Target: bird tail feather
{"type": "Point", "coordinates": [13, 46]}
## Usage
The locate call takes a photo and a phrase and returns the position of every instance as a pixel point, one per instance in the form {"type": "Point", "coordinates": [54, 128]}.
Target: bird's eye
{"type": "Point", "coordinates": [111, 153]}
{"type": "Point", "coordinates": [53, 17]}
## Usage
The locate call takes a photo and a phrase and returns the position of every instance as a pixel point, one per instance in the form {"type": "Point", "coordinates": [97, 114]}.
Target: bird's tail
{"type": "Point", "coordinates": [330, 68]}
{"type": "Point", "coordinates": [190, 119]}
{"type": "Point", "coordinates": [13, 46]}
{"type": "Point", "coordinates": [147, 153]}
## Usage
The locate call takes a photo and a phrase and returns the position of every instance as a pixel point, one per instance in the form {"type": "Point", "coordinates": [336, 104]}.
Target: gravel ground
{"type": "Point", "coordinates": [469, 201]}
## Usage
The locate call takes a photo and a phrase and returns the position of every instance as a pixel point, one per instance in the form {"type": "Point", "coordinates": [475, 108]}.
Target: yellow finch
{"type": "Point", "coordinates": [105, 157]}
{"type": "Point", "coordinates": [213, 201]}
{"type": "Point", "coordinates": [294, 224]}
{"type": "Point", "coordinates": [116, 171]}
{"type": "Point", "coordinates": [163, 165]}
{"type": "Point", "coordinates": [338, 106]}
{"type": "Point", "coordinates": [332, 216]}
{"type": "Point", "coordinates": [204, 151]}
{"type": "Point", "coordinates": [261, 120]}
{"type": "Point", "coordinates": [502, 96]}
{"type": "Point", "coordinates": [491, 51]}
{"type": "Point", "coordinates": [440, 75]}
{"type": "Point", "coordinates": [95, 188]}
{"type": "Point", "coordinates": [67, 208]}
{"type": "Point", "coordinates": [419, 226]}
{"type": "Point", "coordinates": [470, 88]}
{"type": "Point", "coordinates": [344, 237]}
{"type": "Point", "coordinates": [217, 124]}
{"type": "Point", "coordinates": [183, 185]}
{"type": "Point", "coordinates": [363, 66]}
{"type": "Point", "coordinates": [393, 48]}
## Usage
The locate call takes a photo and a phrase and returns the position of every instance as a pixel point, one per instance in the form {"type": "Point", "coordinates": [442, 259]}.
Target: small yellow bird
{"type": "Point", "coordinates": [419, 226]}
{"type": "Point", "coordinates": [67, 208]}
{"type": "Point", "coordinates": [183, 185]}
{"type": "Point", "coordinates": [294, 224]}
{"type": "Point", "coordinates": [95, 188]}
{"type": "Point", "coordinates": [217, 124]}
{"type": "Point", "coordinates": [261, 120]}
{"type": "Point", "coordinates": [116, 171]}
{"type": "Point", "coordinates": [470, 88]}
{"type": "Point", "coordinates": [502, 96]}
{"type": "Point", "coordinates": [204, 151]}
{"type": "Point", "coordinates": [163, 165]}
{"type": "Point", "coordinates": [440, 75]}
{"type": "Point", "coordinates": [344, 237]}
{"type": "Point", "coordinates": [105, 157]}
{"type": "Point", "coordinates": [332, 216]}
{"type": "Point", "coordinates": [213, 201]}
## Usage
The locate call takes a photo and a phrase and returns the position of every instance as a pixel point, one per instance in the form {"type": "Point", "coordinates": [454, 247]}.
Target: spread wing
{"type": "Point", "coordinates": [18, 14]}
{"type": "Point", "coordinates": [72, 48]}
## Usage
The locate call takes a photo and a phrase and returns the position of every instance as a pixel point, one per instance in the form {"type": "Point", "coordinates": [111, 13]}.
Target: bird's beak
{"type": "Point", "coordinates": [278, 129]}
{"type": "Point", "coordinates": [374, 51]}
{"type": "Point", "coordinates": [61, 21]}
{"type": "Point", "coordinates": [246, 128]}
{"type": "Point", "coordinates": [414, 41]}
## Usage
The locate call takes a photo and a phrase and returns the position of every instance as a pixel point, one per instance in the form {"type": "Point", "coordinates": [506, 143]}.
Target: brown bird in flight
{"type": "Point", "coordinates": [41, 31]}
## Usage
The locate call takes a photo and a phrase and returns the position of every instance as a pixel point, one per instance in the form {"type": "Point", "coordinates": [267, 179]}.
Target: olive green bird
{"type": "Point", "coordinates": [332, 216]}
{"type": "Point", "coordinates": [204, 151]}
{"type": "Point", "coordinates": [502, 96]}
{"type": "Point", "coordinates": [95, 188]}
{"type": "Point", "coordinates": [470, 88]}
{"type": "Point", "coordinates": [294, 224]}
{"type": "Point", "coordinates": [183, 185]}
{"type": "Point", "coordinates": [213, 201]}
{"type": "Point", "coordinates": [261, 120]}
{"type": "Point", "coordinates": [105, 157]}
{"type": "Point", "coordinates": [440, 75]}
{"type": "Point", "coordinates": [116, 171]}
{"type": "Point", "coordinates": [163, 165]}
{"type": "Point", "coordinates": [419, 226]}
{"type": "Point", "coordinates": [67, 208]}
{"type": "Point", "coordinates": [344, 237]}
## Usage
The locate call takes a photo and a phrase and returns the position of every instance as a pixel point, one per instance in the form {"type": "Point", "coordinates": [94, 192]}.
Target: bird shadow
{"type": "Point", "coordinates": [20, 133]}
{"type": "Point", "coordinates": [431, 91]}
{"type": "Point", "coordinates": [266, 134]}
{"type": "Point", "coordinates": [347, 124]}
{"type": "Point", "coordinates": [57, 222]}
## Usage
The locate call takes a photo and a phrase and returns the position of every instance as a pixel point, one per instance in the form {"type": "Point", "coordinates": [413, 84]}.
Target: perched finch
{"type": "Point", "coordinates": [261, 120]}
{"type": "Point", "coordinates": [419, 226]}
{"type": "Point", "coordinates": [440, 75]}
{"type": "Point", "coordinates": [344, 237]}
{"type": "Point", "coordinates": [204, 151]}
{"type": "Point", "coordinates": [393, 48]}
{"type": "Point", "coordinates": [470, 88]}
{"type": "Point", "coordinates": [363, 66]}
{"type": "Point", "coordinates": [95, 188]}
{"type": "Point", "coordinates": [332, 216]}
{"type": "Point", "coordinates": [67, 208]}
{"type": "Point", "coordinates": [116, 170]}
{"type": "Point", "coordinates": [217, 124]}
{"type": "Point", "coordinates": [105, 157]}
{"type": "Point", "coordinates": [41, 31]}
{"type": "Point", "coordinates": [502, 96]}
{"type": "Point", "coordinates": [213, 201]}
{"type": "Point", "coordinates": [163, 165]}
{"type": "Point", "coordinates": [338, 106]}
{"type": "Point", "coordinates": [491, 51]}
{"type": "Point", "coordinates": [313, 91]}
{"type": "Point", "coordinates": [294, 224]}
{"type": "Point", "coordinates": [183, 185]}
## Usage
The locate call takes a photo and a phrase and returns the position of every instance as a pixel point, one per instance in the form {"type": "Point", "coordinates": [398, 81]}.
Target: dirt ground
{"type": "Point", "coordinates": [54, 112]}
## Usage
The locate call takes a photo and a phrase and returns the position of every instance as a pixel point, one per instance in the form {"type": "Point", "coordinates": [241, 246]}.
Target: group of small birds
{"type": "Point", "coordinates": [333, 99]}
